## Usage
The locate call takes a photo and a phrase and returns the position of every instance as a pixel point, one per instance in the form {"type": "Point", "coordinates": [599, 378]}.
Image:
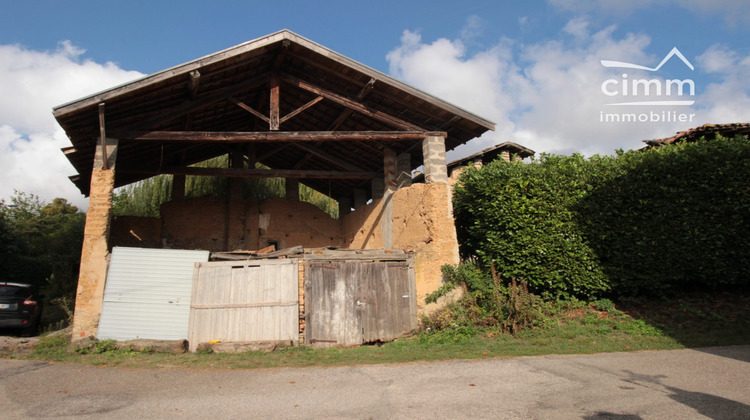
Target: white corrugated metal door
{"type": "Point", "coordinates": [147, 294]}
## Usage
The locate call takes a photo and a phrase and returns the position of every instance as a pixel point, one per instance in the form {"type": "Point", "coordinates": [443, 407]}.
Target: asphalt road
{"type": "Point", "coordinates": [682, 384]}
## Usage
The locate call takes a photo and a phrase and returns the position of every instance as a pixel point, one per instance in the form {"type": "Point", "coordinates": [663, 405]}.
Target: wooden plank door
{"type": "Point", "coordinates": [390, 310]}
{"type": "Point", "coordinates": [333, 315]}
{"type": "Point", "coordinates": [239, 301]}
{"type": "Point", "coordinates": [348, 303]}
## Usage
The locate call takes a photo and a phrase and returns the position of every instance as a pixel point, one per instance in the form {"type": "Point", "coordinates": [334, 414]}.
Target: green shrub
{"type": "Point", "coordinates": [652, 222]}
{"type": "Point", "coordinates": [520, 218]}
{"type": "Point", "coordinates": [674, 219]}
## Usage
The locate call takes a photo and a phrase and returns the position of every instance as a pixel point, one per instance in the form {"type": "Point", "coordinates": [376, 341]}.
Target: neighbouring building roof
{"type": "Point", "coordinates": [318, 90]}
{"type": "Point", "coordinates": [492, 153]}
{"type": "Point", "coordinates": [708, 131]}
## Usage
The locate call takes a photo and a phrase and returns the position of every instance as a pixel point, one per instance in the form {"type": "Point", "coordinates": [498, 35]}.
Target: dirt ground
{"type": "Point", "coordinates": [11, 343]}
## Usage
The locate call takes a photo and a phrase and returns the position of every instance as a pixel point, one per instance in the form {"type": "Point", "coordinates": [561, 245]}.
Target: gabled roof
{"type": "Point", "coordinates": [709, 131]}
{"type": "Point", "coordinates": [491, 153]}
{"type": "Point", "coordinates": [229, 92]}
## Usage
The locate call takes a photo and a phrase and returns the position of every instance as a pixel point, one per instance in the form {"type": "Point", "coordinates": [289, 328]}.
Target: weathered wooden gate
{"type": "Point", "coordinates": [240, 301]}
{"type": "Point", "coordinates": [348, 303]}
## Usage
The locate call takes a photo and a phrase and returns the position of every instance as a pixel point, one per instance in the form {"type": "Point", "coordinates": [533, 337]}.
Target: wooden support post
{"type": "Point", "coordinates": [234, 236]}
{"type": "Point", "coordinates": [292, 189]}
{"type": "Point", "coordinates": [103, 137]}
{"type": "Point", "coordinates": [178, 187]}
{"type": "Point", "coordinates": [274, 111]}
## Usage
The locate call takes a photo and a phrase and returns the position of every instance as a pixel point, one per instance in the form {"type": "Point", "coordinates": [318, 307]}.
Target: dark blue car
{"type": "Point", "coordinates": [20, 307]}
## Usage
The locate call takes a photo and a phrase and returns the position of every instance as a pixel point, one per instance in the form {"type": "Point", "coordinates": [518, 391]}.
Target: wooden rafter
{"type": "Point", "coordinates": [349, 103]}
{"type": "Point", "coordinates": [327, 157]}
{"type": "Point", "coordinates": [190, 106]}
{"type": "Point", "coordinates": [273, 136]}
{"type": "Point", "coordinates": [273, 151]}
{"type": "Point", "coordinates": [366, 89]}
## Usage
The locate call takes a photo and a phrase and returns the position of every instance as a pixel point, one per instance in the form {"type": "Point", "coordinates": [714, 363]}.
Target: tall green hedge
{"type": "Point", "coordinates": [642, 222]}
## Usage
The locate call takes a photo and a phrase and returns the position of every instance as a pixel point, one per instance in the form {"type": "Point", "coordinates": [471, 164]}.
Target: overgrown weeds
{"type": "Point", "coordinates": [486, 303]}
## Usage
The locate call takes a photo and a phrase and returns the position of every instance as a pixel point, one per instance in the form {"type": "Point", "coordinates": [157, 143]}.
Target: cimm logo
{"type": "Point", "coordinates": [665, 91]}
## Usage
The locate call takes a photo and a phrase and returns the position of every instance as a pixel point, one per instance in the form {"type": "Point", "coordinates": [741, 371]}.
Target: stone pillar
{"type": "Point", "coordinates": [378, 188]}
{"type": "Point", "coordinates": [435, 168]}
{"type": "Point", "coordinates": [403, 170]}
{"type": "Point", "coordinates": [505, 155]}
{"type": "Point", "coordinates": [292, 189]}
{"type": "Point", "coordinates": [95, 250]}
{"type": "Point", "coordinates": [360, 198]}
{"type": "Point", "coordinates": [478, 163]}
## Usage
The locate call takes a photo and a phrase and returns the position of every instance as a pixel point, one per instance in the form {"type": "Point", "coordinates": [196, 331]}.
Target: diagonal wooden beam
{"type": "Point", "coordinates": [354, 105]}
{"type": "Point", "coordinates": [300, 109]}
{"type": "Point", "coordinates": [366, 89]}
{"type": "Point", "coordinates": [248, 108]}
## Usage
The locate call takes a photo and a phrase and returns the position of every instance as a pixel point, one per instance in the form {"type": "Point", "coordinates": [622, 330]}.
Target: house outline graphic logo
{"type": "Point", "coordinates": [675, 51]}
{"type": "Point", "coordinates": [645, 87]}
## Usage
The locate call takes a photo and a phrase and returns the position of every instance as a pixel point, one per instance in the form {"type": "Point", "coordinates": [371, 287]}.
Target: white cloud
{"type": "Point", "coordinates": [33, 82]}
{"type": "Point", "coordinates": [728, 99]}
{"type": "Point", "coordinates": [547, 96]}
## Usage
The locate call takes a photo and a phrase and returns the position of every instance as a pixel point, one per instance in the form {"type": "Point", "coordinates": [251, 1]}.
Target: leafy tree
{"type": "Point", "coordinates": [44, 243]}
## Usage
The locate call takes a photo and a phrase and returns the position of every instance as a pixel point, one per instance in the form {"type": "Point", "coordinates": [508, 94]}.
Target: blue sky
{"type": "Point", "coordinates": [533, 67]}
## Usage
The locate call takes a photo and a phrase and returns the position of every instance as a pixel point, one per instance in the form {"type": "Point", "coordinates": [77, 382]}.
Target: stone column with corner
{"type": "Point", "coordinates": [441, 247]}
{"type": "Point", "coordinates": [95, 251]}
{"type": "Point", "coordinates": [435, 168]}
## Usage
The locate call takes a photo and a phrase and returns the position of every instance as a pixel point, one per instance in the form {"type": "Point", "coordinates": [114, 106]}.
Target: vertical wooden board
{"type": "Point", "coordinates": [388, 313]}
{"type": "Point", "coordinates": [330, 301]}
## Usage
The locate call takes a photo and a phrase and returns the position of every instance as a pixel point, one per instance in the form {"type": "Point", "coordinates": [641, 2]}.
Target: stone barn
{"type": "Point", "coordinates": [280, 106]}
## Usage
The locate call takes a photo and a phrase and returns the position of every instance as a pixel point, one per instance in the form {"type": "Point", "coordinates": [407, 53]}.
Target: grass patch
{"type": "Point", "coordinates": [571, 327]}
